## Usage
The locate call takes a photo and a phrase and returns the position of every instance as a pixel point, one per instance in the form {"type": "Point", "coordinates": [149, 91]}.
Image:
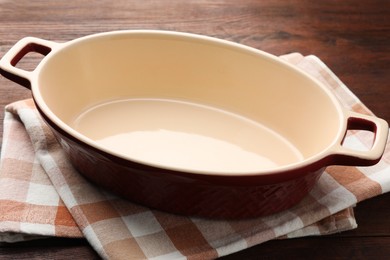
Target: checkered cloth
{"type": "Point", "coordinates": [42, 195]}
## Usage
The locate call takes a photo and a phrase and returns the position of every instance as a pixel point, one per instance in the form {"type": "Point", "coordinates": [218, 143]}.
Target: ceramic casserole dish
{"type": "Point", "coordinates": [190, 124]}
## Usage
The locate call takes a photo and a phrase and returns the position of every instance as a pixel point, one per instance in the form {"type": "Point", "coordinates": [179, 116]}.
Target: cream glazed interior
{"type": "Point", "coordinates": [193, 104]}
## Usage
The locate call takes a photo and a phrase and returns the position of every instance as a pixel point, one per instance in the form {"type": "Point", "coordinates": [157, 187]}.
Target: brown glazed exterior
{"type": "Point", "coordinates": [228, 197]}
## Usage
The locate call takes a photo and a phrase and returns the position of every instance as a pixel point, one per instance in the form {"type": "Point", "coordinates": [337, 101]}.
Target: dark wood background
{"type": "Point", "coordinates": [352, 37]}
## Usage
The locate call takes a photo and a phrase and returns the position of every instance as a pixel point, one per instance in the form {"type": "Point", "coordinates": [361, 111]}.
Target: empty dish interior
{"type": "Point", "coordinates": [174, 97]}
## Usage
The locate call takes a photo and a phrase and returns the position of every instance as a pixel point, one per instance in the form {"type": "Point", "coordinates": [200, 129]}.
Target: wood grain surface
{"type": "Point", "coordinates": [351, 37]}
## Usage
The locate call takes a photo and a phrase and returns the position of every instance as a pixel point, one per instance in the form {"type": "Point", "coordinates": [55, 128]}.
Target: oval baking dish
{"type": "Point", "coordinates": [190, 124]}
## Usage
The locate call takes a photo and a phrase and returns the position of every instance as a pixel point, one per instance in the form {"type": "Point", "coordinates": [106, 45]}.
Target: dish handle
{"type": "Point", "coordinates": [342, 155]}
{"type": "Point", "coordinates": [24, 46]}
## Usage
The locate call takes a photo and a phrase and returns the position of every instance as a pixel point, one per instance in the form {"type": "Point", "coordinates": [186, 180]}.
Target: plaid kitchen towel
{"type": "Point", "coordinates": [42, 195]}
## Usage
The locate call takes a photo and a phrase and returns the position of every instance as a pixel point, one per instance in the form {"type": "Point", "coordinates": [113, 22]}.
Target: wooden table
{"type": "Point", "coordinates": [351, 37]}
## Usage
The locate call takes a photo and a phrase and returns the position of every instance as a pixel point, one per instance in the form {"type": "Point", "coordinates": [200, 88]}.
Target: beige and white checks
{"type": "Point", "coordinates": [42, 195]}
